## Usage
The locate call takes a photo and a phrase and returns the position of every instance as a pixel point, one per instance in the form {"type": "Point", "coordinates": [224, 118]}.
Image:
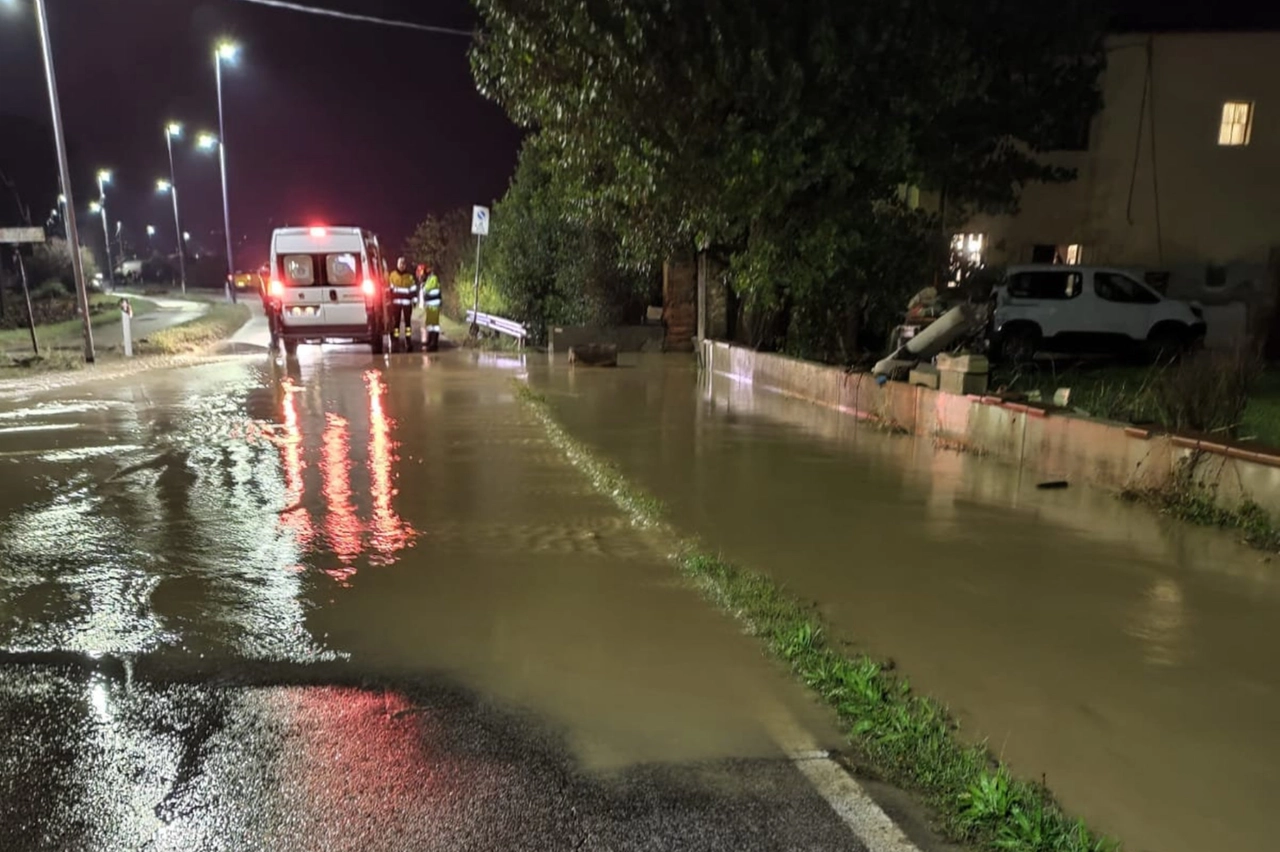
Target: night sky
{"type": "Point", "coordinates": [327, 120]}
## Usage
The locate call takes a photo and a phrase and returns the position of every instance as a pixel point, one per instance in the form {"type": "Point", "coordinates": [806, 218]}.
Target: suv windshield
{"type": "Point", "coordinates": [341, 269]}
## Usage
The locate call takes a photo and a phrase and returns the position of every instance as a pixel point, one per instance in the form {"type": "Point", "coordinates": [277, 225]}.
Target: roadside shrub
{"type": "Point", "coordinates": [51, 289]}
{"type": "Point", "coordinates": [1206, 391]}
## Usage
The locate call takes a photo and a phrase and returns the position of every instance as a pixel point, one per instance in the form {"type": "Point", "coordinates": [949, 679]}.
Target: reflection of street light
{"type": "Point", "coordinates": [95, 207]}
{"type": "Point", "coordinates": [173, 130]}
{"type": "Point", "coordinates": [151, 231]}
{"type": "Point", "coordinates": [186, 236]}
{"type": "Point", "coordinates": [226, 51]}
{"type": "Point", "coordinates": [206, 141]}
{"type": "Point", "coordinates": [104, 178]}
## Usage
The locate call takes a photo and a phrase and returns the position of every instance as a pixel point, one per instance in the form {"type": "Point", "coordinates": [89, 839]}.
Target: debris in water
{"type": "Point", "coordinates": [1053, 483]}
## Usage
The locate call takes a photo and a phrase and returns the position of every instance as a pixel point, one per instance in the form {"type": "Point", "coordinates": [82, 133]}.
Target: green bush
{"type": "Point", "coordinates": [51, 289]}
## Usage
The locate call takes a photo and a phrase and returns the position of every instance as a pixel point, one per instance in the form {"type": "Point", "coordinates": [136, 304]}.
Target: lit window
{"type": "Point", "coordinates": [968, 245]}
{"type": "Point", "coordinates": [966, 256]}
{"type": "Point", "coordinates": [1075, 254]}
{"type": "Point", "coordinates": [1237, 123]}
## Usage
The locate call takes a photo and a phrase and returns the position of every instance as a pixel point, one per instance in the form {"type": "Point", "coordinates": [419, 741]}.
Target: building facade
{"type": "Point", "coordinates": [1179, 175]}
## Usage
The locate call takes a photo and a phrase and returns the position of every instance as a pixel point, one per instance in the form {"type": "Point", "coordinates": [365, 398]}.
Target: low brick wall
{"type": "Point", "coordinates": [1055, 445]}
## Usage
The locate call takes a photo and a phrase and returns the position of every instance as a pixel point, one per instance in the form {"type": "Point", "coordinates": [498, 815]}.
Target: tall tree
{"type": "Point", "coordinates": [782, 131]}
{"type": "Point", "coordinates": [549, 266]}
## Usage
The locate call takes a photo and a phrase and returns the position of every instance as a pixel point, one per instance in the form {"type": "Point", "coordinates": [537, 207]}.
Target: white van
{"type": "Point", "coordinates": [327, 284]}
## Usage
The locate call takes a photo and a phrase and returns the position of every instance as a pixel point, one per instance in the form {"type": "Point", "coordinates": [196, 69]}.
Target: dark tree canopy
{"type": "Point", "coordinates": [782, 132]}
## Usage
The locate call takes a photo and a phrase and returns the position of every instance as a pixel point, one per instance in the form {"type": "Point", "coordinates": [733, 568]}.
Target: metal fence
{"type": "Point", "coordinates": [508, 327]}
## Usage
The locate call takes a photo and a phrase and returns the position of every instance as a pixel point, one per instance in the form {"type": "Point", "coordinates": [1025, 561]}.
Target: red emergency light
{"type": "Point", "coordinates": [319, 231]}
{"type": "Point", "coordinates": [369, 287]}
{"type": "Point", "coordinates": [276, 289]}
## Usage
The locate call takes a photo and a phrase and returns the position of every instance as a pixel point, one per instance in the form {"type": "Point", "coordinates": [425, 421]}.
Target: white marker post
{"type": "Point", "coordinates": [126, 326]}
{"type": "Point", "coordinates": [479, 227]}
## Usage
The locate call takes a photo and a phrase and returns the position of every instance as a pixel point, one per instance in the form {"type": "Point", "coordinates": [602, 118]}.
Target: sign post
{"type": "Point", "coordinates": [479, 227]}
{"type": "Point", "coordinates": [16, 237]}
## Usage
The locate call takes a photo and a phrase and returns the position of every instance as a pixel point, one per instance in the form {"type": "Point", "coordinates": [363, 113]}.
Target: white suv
{"type": "Point", "coordinates": [1056, 308]}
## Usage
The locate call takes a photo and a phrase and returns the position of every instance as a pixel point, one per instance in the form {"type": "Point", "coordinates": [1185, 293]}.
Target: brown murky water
{"type": "Point", "coordinates": [405, 518]}
{"type": "Point", "coordinates": [1126, 658]}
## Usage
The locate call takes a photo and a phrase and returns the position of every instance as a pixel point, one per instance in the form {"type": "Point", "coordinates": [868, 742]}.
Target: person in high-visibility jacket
{"type": "Point", "coordinates": [431, 304]}
{"type": "Point", "coordinates": [405, 292]}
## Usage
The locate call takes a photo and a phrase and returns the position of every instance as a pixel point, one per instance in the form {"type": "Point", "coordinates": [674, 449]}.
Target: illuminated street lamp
{"type": "Point", "coordinates": [173, 130]}
{"type": "Point", "coordinates": [64, 176]}
{"type": "Point", "coordinates": [225, 51]}
{"type": "Point", "coordinates": [151, 231]}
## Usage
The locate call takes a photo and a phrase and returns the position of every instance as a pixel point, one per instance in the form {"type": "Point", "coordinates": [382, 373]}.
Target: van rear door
{"type": "Point", "coordinates": [322, 291]}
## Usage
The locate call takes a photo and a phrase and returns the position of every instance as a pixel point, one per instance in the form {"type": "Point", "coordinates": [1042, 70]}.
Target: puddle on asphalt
{"type": "Point", "coordinates": [411, 518]}
{"type": "Point", "coordinates": [1124, 657]}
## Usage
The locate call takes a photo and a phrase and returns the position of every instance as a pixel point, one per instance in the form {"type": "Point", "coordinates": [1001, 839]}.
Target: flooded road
{"type": "Point", "coordinates": [1125, 658]}
{"type": "Point", "coordinates": [248, 606]}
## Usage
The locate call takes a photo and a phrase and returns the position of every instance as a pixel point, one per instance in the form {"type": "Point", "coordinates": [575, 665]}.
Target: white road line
{"type": "Point", "coordinates": [865, 818]}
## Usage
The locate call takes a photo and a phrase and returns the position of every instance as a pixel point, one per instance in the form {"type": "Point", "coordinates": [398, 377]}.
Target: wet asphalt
{"type": "Point", "coordinates": [353, 603]}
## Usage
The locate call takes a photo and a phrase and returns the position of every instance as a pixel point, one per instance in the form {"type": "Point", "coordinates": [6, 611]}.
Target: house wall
{"type": "Point", "coordinates": [1155, 190]}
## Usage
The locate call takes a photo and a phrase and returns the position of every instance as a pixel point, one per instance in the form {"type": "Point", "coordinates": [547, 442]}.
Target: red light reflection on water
{"type": "Point", "coordinates": [342, 526]}
{"type": "Point", "coordinates": [347, 533]}
{"type": "Point", "coordinates": [390, 533]}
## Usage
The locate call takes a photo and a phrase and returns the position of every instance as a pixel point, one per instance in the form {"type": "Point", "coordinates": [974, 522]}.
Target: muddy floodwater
{"type": "Point", "coordinates": [1127, 659]}
{"type": "Point", "coordinates": [401, 518]}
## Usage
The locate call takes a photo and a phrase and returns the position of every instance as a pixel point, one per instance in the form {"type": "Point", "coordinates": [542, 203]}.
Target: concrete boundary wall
{"type": "Point", "coordinates": [1052, 444]}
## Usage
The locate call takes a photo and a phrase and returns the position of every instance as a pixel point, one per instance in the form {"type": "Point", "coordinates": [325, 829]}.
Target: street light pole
{"type": "Point", "coordinates": [104, 177]}
{"type": "Point", "coordinates": [163, 186]}
{"type": "Point", "coordinates": [226, 51]}
{"type": "Point", "coordinates": [171, 130]}
{"type": "Point", "coordinates": [64, 177]}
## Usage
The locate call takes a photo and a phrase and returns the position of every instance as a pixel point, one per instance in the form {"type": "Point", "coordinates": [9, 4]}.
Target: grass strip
{"type": "Point", "coordinates": [104, 310]}
{"type": "Point", "coordinates": [218, 323]}
{"type": "Point", "coordinates": [907, 739]}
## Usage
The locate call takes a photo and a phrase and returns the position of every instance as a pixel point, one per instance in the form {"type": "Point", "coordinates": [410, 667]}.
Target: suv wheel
{"type": "Point", "coordinates": [1019, 344]}
{"type": "Point", "coordinates": [1168, 343]}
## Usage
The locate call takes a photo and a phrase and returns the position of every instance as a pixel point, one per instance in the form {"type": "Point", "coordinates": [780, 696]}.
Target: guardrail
{"type": "Point", "coordinates": [508, 327]}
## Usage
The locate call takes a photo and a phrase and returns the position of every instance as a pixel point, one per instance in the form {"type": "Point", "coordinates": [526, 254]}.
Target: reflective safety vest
{"type": "Point", "coordinates": [431, 301]}
{"type": "Point", "coordinates": [404, 288]}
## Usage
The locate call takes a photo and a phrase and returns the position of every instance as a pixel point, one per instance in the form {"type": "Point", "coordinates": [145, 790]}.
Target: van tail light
{"type": "Point", "coordinates": [276, 290]}
{"type": "Point", "coordinates": [369, 288]}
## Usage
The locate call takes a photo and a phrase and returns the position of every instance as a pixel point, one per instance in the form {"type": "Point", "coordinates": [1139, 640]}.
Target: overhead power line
{"type": "Point", "coordinates": [365, 19]}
